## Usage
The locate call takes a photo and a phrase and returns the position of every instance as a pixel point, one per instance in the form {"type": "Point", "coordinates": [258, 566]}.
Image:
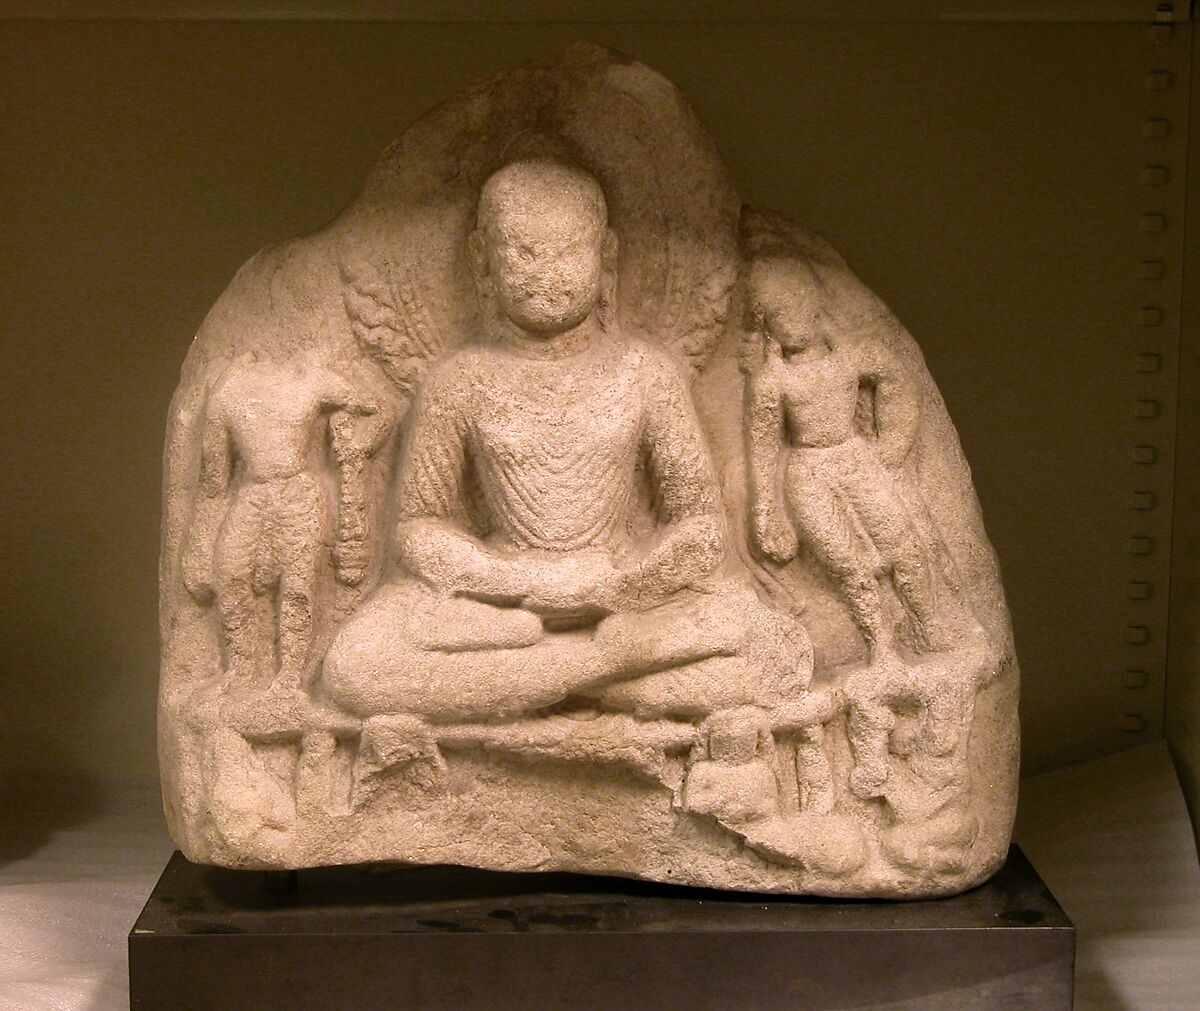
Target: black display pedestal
{"type": "Point", "coordinates": [388, 937]}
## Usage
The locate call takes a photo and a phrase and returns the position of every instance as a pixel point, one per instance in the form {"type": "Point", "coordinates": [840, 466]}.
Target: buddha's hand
{"type": "Point", "coordinates": [774, 536]}
{"type": "Point", "coordinates": [582, 582]}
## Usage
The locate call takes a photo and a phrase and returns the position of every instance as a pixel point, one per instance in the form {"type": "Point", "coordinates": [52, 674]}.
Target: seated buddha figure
{"type": "Point", "coordinates": [559, 538]}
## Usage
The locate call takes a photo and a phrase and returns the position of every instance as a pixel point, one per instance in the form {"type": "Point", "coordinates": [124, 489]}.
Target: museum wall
{"type": "Point", "coordinates": [989, 180]}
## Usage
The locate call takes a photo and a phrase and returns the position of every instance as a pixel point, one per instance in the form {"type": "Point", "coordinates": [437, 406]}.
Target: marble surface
{"type": "Point", "coordinates": [1110, 837]}
{"type": "Point", "coordinates": [1112, 840]}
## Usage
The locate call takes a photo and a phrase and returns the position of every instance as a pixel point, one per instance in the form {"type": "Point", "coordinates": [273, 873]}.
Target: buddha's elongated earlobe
{"type": "Point", "coordinates": [477, 254]}
{"type": "Point", "coordinates": [606, 303]}
{"type": "Point", "coordinates": [485, 289]}
{"type": "Point", "coordinates": [608, 250]}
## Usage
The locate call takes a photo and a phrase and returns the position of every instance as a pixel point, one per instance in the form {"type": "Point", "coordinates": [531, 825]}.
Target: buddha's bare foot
{"type": "Point", "coordinates": [641, 643]}
{"type": "Point", "coordinates": [464, 625]}
{"type": "Point", "coordinates": [734, 795]}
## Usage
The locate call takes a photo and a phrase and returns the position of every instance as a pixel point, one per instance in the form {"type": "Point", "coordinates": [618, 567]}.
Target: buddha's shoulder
{"type": "Point", "coordinates": [459, 369]}
{"type": "Point", "coordinates": [647, 359]}
{"type": "Point", "coordinates": [474, 364]}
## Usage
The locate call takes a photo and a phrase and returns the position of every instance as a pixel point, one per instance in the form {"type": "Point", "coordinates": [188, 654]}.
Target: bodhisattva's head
{"type": "Point", "coordinates": [542, 251]}
{"type": "Point", "coordinates": [787, 303]}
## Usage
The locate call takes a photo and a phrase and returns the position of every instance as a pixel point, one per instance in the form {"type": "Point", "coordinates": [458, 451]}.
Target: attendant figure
{"type": "Point", "coordinates": [841, 412]}
{"type": "Point", "coordinates": [264, 429]}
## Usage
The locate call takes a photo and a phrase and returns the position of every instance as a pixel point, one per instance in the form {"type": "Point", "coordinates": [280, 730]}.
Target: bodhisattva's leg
{"type": "Point", "coordinates": [302, 521]}
{"type": "Point", "coordinates": [382, 660]}
{"type": "Point", "coordinates": [887, 522]}
{"type": "Point", "coordinates": [823, 520]}
{"type": "Point", "coordinates": [867, 727]}
{"type": "Point", "coordinates": [812, 771]}
{"type": "Point", "coordinates": [824, 524]}
{"type": "Point", "coordinates": [236, 553]}
{"type": "Point", "coordinates": [947, 721]}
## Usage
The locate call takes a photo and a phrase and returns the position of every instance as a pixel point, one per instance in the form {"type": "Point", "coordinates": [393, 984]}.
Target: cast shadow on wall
{"type": "Point", "coordinates": [36, 802]}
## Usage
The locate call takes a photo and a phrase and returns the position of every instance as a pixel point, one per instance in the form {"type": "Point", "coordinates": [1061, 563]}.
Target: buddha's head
{"type": "Point", "coordinates": [542, 251]}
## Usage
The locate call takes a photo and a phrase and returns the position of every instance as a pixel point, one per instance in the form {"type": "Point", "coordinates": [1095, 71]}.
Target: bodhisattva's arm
{"type": "Point", "coordinates": [770, 530]}
{"type": "Point", "coordinates": [216, 466]}
{"type": "Point", "coordinates": [690, 542]}
{"type": "Point", "coordinates": [897, 401]}
{"type": "Point", "coordinates": [431, 537]}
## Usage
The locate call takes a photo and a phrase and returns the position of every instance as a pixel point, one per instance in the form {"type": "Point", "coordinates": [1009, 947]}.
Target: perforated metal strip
{"type": "Point", "coordinates": [1156, 270]}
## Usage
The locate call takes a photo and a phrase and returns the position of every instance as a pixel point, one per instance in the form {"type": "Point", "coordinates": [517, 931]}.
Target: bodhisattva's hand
{"type": "Point", "coordinates": [774, 536]}
{"type": "Point", "coordinates": [892, 453]}
{"type": "Point", "coordinates": [346, 439]}
{"type": "Point", "coordinates": [198, 570]}
{"type": "Point", "coordinates": [582, 582]}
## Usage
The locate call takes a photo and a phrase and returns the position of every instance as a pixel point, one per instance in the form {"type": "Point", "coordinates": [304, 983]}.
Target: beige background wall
{"type": "Point", "coordinates": [986, 178]}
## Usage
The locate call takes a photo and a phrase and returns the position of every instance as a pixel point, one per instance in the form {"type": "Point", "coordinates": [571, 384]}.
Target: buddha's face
{"type": "Point", "coordinates": [541, 242]}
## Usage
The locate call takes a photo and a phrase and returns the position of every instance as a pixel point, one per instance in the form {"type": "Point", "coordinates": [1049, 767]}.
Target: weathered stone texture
{"type": "Point", "coordinates": [550, 510]}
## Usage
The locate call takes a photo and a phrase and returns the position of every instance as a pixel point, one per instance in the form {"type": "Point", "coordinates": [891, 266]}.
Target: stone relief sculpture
{"type": "Point", "coordinates": [549, 510]}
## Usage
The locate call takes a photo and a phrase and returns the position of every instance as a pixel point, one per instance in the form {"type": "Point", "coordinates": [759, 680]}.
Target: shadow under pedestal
{"type": "Point", "coordinates": [450, 937]}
